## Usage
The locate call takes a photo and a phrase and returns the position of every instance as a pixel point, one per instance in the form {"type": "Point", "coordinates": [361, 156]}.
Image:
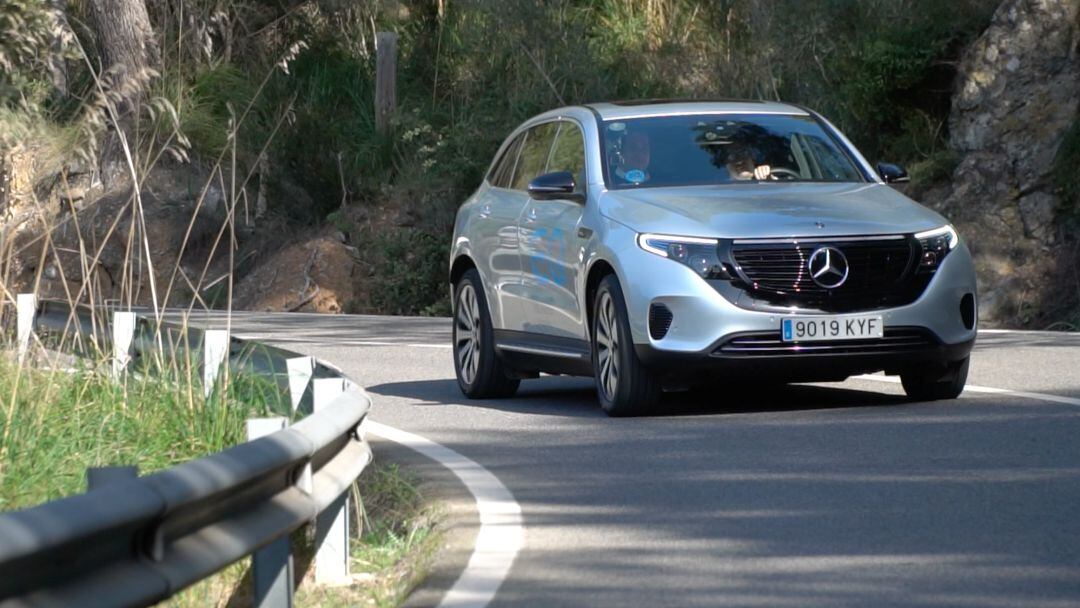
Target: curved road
{"type": "Point", "coordinates": [839, 494]}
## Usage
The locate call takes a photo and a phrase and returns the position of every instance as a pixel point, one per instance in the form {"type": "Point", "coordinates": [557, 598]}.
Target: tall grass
{"type": "Point", "coordinates": [58, 422]}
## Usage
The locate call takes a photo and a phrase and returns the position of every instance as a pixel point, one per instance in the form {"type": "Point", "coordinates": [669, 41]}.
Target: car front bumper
{"type": "Point", "coordinates": [709, 332]}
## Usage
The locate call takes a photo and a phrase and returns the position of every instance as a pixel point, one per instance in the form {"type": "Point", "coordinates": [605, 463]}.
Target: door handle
{"type": "Point", "coordinates": [485, 211]}
{"type": "Point", "coordinates": [530, 217]}
{"type": "Point", "coordinates": [584, 233]}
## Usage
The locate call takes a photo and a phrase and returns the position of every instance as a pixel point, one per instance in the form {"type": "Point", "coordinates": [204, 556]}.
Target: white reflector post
{"type": "Point", "coordinates": [215, 351]}
{"type": "Point", "coordinates": [123, 333]}
{"type": "Point", "coordinates": [300, 372]}
{"type": "Point", "coordinates": [25, 311]}
{"type": "Point", "coordinates": [332, 525]}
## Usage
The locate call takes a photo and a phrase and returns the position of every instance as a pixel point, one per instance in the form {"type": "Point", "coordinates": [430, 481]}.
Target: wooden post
{"type": "Point", "coordinates": [385, 80]}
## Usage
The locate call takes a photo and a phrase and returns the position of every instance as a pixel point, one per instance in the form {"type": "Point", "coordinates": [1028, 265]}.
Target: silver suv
{"type": "Point", "coordinates": [657, 244]}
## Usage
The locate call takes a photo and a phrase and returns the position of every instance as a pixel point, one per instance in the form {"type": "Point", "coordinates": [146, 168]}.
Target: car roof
{"type": "Point", "coordinates": [620, 110]}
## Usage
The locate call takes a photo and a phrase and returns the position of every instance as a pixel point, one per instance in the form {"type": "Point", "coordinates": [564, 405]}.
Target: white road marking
{"type": "Point", "coordinates": [501, 531]}
{"type": "Point", "coordinates": [984, 389]}
{"type": "Point", "coordinates": [374, 343]}
{"type": "Point", "coordinates": [1038, 332]}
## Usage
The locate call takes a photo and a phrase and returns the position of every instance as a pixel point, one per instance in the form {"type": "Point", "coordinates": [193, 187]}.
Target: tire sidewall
{"type": "Point", "coordinates": [471, 278]}
{"type": "Point", "coordinates": [610, 285]}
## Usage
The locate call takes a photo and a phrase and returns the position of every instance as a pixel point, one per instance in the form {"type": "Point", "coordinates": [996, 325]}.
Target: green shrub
{"type": "Point", "coordinates": [1067, 176]}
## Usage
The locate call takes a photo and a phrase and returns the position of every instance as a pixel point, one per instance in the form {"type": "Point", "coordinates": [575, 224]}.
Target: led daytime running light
{"type": "Point", "coordinates": [954, 238]}
{"type": "Point", "coordinates": [644, 241]}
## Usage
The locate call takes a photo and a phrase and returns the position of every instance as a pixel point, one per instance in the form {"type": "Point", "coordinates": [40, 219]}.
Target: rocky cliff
{"type": "Point", "coordinates": [1017, 93]}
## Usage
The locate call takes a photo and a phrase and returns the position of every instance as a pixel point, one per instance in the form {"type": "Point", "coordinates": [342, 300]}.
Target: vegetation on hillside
{"type": "Point", "coordinates": [288, 86]}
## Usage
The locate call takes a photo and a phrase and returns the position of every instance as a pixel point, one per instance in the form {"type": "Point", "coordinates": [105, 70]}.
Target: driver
{"type": "Point", "coordinates": [634, 158]}
{"type": "Point", "coordinates": [740, 164]}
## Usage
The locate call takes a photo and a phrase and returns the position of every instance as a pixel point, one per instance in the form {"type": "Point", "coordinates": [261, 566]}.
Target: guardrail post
{"type": "Point", "coordinates": [332, 525]}
{"type": "Point", "coordinates": [215, 351]}
{"type": "Point", "coordinates": [300, 371]}
{"type": "Point", "coordinates": [25, 312]}
{"type": "Point", "coordinates": [123, 334]}
{"type": "Point", "coordinates": [271, 566]}
{"type": "Point", "coordinates": [99, 477]}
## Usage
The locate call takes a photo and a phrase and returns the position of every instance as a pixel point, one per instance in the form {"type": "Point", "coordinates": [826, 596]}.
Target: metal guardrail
{"type": "Point", "coordinates": [138, 541]}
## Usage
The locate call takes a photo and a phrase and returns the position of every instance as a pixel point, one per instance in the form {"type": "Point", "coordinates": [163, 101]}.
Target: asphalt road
{"type": "Point", "coordinates": [840, 494]}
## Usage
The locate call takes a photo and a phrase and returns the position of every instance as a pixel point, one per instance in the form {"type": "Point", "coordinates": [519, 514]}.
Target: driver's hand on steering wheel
{"type": "Point", "coordinates": [762, 172]}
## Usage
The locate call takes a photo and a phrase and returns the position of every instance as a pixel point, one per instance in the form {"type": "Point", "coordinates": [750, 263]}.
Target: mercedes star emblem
{"type": "Point", "coordinates": [828, 267]}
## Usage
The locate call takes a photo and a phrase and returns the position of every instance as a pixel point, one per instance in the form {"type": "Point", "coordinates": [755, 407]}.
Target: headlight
{"type": "Point", "coordinates": [699, 254]}
{"type": "Point", "coordinates": [936, 244]}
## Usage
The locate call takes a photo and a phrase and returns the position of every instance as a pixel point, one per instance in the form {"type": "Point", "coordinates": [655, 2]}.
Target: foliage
{"type": "Point", "coordinates": [32, 42]}
{"type": "Point", "coordinates": [881, 69]}
{"type": "Point", "coordinates": [1068, 177]}
{"type": "Point", "coordinates": [56, 423]}
{"type": "Point", "coordinates": [409, 273]}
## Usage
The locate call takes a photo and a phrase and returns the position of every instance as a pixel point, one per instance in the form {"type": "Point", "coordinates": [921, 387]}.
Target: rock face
{"type": "Point", "coordinates": [1017, 94]}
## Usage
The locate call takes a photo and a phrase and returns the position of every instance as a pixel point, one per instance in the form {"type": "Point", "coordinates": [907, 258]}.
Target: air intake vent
{"type": "Point", "coordinates": [967, 310]}
{"type": "Point", "coordinates": [660, 318]}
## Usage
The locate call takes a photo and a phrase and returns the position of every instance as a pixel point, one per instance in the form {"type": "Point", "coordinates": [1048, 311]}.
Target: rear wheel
{"type": "Point", "coordinates": [480, 373]}
{"type": "Point", "coordinates": [624, 385]}
{"type": "Point", "coordinates": [931, 386]}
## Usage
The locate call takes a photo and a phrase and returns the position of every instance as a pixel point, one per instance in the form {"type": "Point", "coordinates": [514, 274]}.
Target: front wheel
{"type": "Point", "coordinates": [624, 385]}
{"type": "Point", "coordinates": [931, 386]}
{"type": "Point", "coordinates": [480, 373]}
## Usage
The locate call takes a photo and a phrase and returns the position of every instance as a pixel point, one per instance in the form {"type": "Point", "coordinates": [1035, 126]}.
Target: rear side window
{"type": "Point", "coordinates": [503, 171]}
{"type": "Point", "coordinates": [534, 155]}
{"type": "Point", "coordinates": [569, 153]}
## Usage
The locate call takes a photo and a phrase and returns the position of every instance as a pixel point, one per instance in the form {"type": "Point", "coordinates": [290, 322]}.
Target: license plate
{"type": "Point", "coordinates": [824, 328]}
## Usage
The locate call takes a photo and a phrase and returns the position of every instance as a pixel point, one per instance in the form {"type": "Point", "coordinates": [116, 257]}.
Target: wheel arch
{"type": "Point", "coordinates": [597, 271]}
{"type": "Point", "coordinates": [462, 264]}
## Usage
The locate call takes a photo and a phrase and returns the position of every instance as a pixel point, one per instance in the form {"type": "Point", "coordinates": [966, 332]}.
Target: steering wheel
{"type": "Point", "coordinates": [787, 173]}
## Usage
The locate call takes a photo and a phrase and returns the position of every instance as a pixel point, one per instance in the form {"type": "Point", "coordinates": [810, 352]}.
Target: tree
{"type": "Point", "coordinates": [128, 55]}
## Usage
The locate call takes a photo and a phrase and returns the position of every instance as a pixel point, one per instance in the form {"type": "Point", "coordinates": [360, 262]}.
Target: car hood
{"type": "Point", "coordinates": [757, 210]}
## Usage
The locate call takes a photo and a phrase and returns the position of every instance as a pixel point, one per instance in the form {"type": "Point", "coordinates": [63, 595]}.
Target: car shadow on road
{"type": "Point", "coordinates": [576, 397]}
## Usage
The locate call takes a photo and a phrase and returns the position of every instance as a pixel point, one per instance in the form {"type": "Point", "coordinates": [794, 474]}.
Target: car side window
{"type": "Point", "coordinates": [503, 171]}
{"type": "Point", "coordinates": [534, 154]}
{"type": "Point", "coordinates": [569, 153]}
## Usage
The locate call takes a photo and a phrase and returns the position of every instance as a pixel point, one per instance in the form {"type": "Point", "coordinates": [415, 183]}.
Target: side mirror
{"type": "Point", "coordinates": [892, 174]}
{"type": "Point", "coordinates": [559, 185]}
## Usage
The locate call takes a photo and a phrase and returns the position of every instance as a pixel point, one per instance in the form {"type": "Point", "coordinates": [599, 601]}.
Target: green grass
{"type": "Point", "coordinates": [395, 533]}
{"type": "Point", "coordinates": [55, 424]}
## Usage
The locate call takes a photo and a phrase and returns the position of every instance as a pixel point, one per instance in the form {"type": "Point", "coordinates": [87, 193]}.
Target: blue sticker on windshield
{"type": "Point", "coordinates": [635, 175]}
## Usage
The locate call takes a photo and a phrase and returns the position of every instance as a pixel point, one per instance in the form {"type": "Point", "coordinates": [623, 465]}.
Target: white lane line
{"type": "Point", "coordinates": [1038, 332]}
{"type": "Point", "coordinates": [501, 531]}
{"type": "Point", "coordinates": [984, 389]}
{"type": "Point", "coordinates": [375, 343]}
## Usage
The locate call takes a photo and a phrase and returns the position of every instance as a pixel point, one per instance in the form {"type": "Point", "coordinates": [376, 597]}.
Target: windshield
{"type": "Point", "coordinates": [722, 149]}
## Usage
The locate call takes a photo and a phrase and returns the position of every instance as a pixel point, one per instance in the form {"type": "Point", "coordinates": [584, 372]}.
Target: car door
{"type": "Point", "coordinates": [551, 247]}
{"type": "Point", "coordinates": [531, 162]}
{"type": "Point", "coordinates": [494, 236]}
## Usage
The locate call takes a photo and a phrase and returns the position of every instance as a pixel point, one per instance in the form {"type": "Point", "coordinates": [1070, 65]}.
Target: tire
{"type": "Point", "coordinates": [924, 386]}
{"type": "Point", "coordinates": [624, 386]}
{"type": "Point", "coordinates": [480, 372]}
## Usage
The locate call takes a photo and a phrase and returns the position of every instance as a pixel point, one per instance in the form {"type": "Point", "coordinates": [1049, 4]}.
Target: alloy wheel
{"type": "Point", "coordinates": [467, 334]}
{"type": "Point", "coordinates": [607, 346]}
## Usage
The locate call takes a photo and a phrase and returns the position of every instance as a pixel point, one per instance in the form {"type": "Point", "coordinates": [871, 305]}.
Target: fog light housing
{"type": "Point", "coordinates": [660, 318]}
{"type": "Point", "coordinates": [967, 310]}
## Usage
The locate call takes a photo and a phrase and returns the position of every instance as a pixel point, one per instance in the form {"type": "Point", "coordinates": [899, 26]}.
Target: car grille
{"type": "Point", "coordinates": [881, 274]}
{"type": "Point", "coordinates": [770, 344]}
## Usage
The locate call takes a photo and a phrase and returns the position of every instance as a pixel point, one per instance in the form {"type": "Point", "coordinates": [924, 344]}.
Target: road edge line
{"type": "Point", "coordinates": [985, 389]}
{"type": "Point", "coordinates": [501, 534]}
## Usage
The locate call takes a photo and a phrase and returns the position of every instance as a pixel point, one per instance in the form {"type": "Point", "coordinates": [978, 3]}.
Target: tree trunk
{"type": "Point", "coordinates": [128, 57]}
